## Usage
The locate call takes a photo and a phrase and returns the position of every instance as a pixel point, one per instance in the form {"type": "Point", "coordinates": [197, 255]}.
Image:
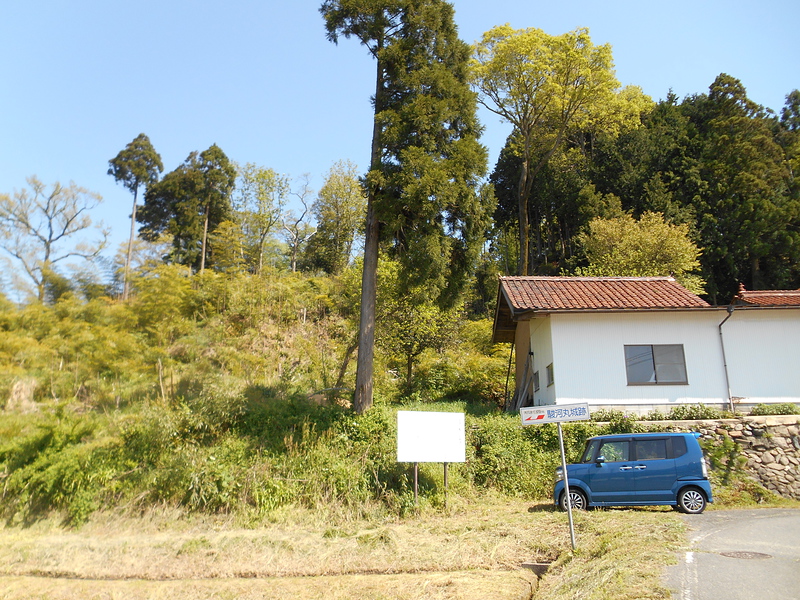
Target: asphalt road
{"type": "Point", "coordinates": [740, 554]}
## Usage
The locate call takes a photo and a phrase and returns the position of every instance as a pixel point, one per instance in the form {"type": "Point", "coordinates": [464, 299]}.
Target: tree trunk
{"type": "Point", "coordinates": [366, 329]}
{"type": "Point", "coordinates": [348, 353]}
{"type": "Point", "coordinates": [362, 400]}
{"type": "Point", "coordinates": [205, 238]}
{"type": "Point", "coordinates": [125, 283]}
{"type": "Point", "coordinates": [524, 225]}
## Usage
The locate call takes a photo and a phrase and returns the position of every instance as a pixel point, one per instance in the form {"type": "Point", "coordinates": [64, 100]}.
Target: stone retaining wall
{"type": "Point", "coordinates": [770, 447]}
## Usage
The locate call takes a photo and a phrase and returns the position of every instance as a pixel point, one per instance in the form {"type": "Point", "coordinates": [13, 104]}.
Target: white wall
{"type": "Point", "coordinates": [587, 352]}
{"type": "Point", "coordinates": [762, 348]}
{"type": "Point", "coordinates": [541, 342]}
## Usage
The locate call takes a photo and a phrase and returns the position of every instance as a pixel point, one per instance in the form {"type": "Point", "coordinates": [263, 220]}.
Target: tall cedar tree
{"type": "Point", "coordinates": [425, 162]}
{"type": "Point", "coordinates": [188, 203]}
{"type": "Point", "coordinates": [137, 165]}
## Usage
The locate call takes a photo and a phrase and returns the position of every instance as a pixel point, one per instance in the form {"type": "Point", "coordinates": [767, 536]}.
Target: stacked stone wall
{"type": "Point", "coordinates": [769, 447]}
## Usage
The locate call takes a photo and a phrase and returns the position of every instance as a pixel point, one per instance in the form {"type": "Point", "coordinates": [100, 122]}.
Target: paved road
{"type": "Point", "coordinates": [740, 555]}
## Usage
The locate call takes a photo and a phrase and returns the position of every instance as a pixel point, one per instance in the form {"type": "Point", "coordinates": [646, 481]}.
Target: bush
{"type": "Point", "coordinates": [775, 409]}
{"type": "Point", "coordinates": [694, 412]}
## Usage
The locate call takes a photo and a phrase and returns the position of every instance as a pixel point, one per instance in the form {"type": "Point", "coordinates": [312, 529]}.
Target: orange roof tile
{"type": "Point", "coordinates": [549, 294]}
{"type": "Point", "coordinates": [767, 298]}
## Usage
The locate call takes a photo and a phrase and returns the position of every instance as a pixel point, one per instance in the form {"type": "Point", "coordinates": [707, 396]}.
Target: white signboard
{"type": "Point", "coordinates": [535, 415]}
{"type": "Point", "coordinates": [430, 437]}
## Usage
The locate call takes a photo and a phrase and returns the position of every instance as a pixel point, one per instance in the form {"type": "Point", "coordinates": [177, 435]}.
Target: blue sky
{"type": "Point", "coordinates": [81, 78]}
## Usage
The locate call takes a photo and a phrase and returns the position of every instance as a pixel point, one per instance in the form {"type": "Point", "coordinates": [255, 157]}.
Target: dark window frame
{"type": "Point", "coordinates": [658, 368]}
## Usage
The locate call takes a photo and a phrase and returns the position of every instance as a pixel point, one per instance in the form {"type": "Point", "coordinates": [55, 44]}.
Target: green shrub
{"type": "Point", "coordinates": [776, 409]}
{"type": "Point", "coordinates": [694, 412]}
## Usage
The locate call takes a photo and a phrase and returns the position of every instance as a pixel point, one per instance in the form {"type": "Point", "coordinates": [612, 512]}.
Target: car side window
{"type": "Point", "coordinates": [651, 449]}
{"type": "Point", "coordinates": [615, 451]}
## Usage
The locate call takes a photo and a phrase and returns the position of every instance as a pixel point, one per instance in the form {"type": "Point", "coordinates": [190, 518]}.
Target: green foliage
{"type": "Point", "coordinates": [549, 88]}
{"type": "Point", "coordinates": [339, 210]}
{"type": "Point", "coordinates": [649, 247]}
{"type": "Point", "coordinates": [725, 459]}
{"type": "Point", "coordinates": [786, 408]}
{"type": "Point", "coordinates": [260, 197]}
{"type": "Point", "coordinates": [698, 412]}
{"type": "Point", "coordinates": [188, 203]}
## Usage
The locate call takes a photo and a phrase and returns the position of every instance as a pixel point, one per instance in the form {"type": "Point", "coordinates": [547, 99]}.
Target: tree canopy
{"type": "Point", "coordinates": [548, 87]}
{"type": "Point", "coordinates": [188, 203]}
{"type": "Point", "coordinates": [136, 165]}
{"type": "Point", "coordinates": [39, 229]}
{"type": "Point", "coordinates": [648, 247]}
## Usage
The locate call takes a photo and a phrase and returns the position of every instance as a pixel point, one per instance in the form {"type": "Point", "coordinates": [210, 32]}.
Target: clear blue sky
{"type": "Point", "coordinates": [81, 78]}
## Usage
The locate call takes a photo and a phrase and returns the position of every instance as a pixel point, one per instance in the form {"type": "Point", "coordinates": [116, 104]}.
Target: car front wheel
{"type": "Point", "coordinates": [577, 500]}
{"type": "Point", "coordinates": [691, 501]}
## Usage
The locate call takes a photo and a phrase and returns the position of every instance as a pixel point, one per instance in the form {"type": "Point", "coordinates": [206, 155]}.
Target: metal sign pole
{"type": "Point", "coordinates": [538, 415]}
{"type": "Point", "coordinates": [566, 486]}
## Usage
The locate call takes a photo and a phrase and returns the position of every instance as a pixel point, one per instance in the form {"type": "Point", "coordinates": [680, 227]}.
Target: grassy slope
{"type": "Point", "coordinates": [470, 551]}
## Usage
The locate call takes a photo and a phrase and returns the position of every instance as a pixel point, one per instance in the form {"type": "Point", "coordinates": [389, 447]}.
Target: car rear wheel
{"type": "Point", "coordinates": [691, 501]}
{"type": "Point", "coordinates": [577, 500]}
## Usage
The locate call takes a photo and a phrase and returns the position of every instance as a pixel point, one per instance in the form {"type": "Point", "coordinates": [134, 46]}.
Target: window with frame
{"type": "Point", "coordinates": [662, 364]}
{"type": "Point", "coordinates": [651, 449]}
{"type": "Point", "coordinates": [536, 381]}
{"type": "Point", "coordinates": [614, 451]}
{"type": "Point", "coordinates": [550, 376]}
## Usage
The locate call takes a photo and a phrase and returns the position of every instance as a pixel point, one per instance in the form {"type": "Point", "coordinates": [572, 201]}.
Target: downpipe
{"type": "Point", "coordinates": [724, 360]}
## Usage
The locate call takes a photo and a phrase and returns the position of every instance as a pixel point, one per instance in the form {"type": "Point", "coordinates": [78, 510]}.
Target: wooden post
{"type": "Point", "coordinates": [445, 485]}
{"type": "Point", "coordinates": [416, 482]}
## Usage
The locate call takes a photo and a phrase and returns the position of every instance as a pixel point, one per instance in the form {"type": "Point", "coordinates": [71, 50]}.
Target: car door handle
{"type": "Point", "coordinates": [640, 467]}
{"type": "Point", "coordinates": [625, 468]}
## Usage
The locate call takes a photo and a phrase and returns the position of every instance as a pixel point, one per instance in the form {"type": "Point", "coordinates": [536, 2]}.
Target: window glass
{"type": "Point", "coordinates": [663, 364]}
{"type": "Point", "coordinates": [614, 451]}
{"type": "Point", "coordinates": [639, 364]}
{"type": "Point", "coordinates": [536, 381]}
{"type": "Point", "coordinates": [651, 449]}
{"type": "Point", "coordinates": [550, 376]}
{"type": "Point", "coordinates": [588, 453]}
{"type": "Point", "coordinates": [678, 447]}
{"type": "Point", "coordinates": [670, 364]}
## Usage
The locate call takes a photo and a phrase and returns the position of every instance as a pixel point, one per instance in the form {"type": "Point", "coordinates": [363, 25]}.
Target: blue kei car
{"type": "Point", "coordinates": [636, 469]}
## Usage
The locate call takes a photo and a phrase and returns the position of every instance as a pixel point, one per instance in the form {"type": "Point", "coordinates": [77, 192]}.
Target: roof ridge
{"type": "Point", "coordinates": [589, 278]}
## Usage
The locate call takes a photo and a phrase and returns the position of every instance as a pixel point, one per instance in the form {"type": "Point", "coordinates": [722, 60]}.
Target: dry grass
{"type": "Point", "coordinates": [470, 551]}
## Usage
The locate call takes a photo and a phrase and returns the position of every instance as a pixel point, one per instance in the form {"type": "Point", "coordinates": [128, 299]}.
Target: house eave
{"type": "Point", "coordinates": [506, 319]}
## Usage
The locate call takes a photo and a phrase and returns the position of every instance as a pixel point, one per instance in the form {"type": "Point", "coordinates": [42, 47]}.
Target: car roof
{"type": "Point", "coordinates": [627, 436]}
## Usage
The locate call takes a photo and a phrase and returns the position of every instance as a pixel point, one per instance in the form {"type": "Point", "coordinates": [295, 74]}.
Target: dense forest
{"type": "Point", "coordinates": [241, 317]}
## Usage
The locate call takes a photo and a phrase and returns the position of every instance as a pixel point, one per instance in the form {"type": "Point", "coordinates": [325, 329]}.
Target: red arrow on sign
{"type": "Point", "coordinates": [536, 418]}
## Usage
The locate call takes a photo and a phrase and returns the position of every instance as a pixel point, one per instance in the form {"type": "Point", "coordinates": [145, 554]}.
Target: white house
{"type": "Point", "coordinates": [643, 343]}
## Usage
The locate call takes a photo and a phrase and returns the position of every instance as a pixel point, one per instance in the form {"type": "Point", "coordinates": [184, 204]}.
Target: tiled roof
{"type": "Point", "coordinates": [767, 298]}
{"type": "Point", "coordinates": [548, 294]}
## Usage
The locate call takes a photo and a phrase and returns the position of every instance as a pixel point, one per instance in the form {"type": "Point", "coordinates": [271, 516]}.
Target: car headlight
{"type": "Point", "coordinates": [559, 474]}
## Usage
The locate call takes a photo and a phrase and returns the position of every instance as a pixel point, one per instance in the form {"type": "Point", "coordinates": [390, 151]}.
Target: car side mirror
{"type": "Point", "coordinates": [600, 460]}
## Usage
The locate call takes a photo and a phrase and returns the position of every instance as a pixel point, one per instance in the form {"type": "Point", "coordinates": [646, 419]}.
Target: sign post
{"type": "Point", "coordinates": [537, 415]}
{"type": "Point", "coordinates": [430, 437]}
